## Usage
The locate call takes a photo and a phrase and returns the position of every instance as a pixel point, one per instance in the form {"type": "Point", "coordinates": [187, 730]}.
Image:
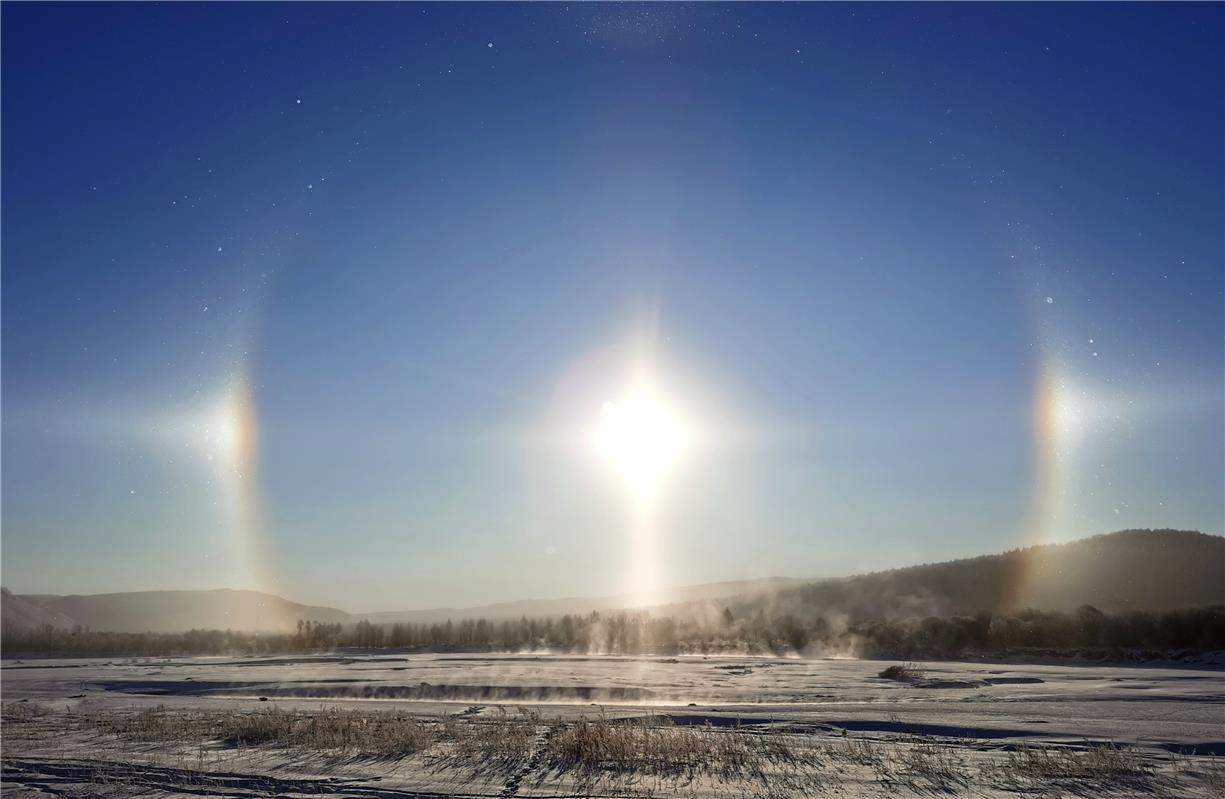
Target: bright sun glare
{"type": "Point", "coordinates": [643, 437]}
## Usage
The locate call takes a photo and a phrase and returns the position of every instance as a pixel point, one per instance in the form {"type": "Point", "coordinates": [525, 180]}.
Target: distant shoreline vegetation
{"type": "Point", "coordinates": [1087, 633]}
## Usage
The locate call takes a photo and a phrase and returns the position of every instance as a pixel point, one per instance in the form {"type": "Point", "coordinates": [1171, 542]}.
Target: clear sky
{"type": "Point", "coordinates": [320, 298]}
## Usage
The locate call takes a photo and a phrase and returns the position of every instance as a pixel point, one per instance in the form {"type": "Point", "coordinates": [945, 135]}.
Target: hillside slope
{"type": "Point", "coordinates": [24, 611]}
{"type": "Point", "coordinates": [166, 611]}
{"type": "Point", "coordinates": [1128, 570]}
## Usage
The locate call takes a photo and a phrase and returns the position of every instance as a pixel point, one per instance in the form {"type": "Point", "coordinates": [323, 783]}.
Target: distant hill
{"type": "Point", "coordinates": [545, 608]}
{"type": "Point", "coordinates": [1127, 570]}
{"type": "Point", "coordinates": [22, 611]}
{"type": "Point", "coordinates": [165, 611]}
{"type": "Point", "coordinates": [1150, 570]}
{"type": "Point", "coordinates": [252, 611]}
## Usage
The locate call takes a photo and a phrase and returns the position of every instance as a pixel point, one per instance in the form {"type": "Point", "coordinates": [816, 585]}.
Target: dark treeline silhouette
{"type": "Point", "coordinates": [1087, 631]}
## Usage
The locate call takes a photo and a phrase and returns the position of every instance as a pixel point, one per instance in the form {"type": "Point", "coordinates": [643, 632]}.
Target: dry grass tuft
{"type": "Point", "coordinates": [1096, 767]}
{"type": "Point", "coordinates": [927, 767]}
{"type": "Point", "coordinates": [654, 744]}
{"type": "Point", "coordinates": [855, 751]}
{"type": "Point", "coordinates": [500, 743]}
{"type": "Point", "coordinates": [362, 732]}
{"type": "Point", "coordinates": [22, 711]}
{"type": "Point", "coordinates": [1213, 777]}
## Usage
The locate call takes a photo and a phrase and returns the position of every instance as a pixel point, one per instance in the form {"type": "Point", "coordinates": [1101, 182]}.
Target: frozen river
{"type": "Point", "coordinates": [970, 707]}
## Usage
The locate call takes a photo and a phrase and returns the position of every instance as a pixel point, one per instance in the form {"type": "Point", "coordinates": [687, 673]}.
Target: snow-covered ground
{"type": "Point", "coordinates": [969, 728]}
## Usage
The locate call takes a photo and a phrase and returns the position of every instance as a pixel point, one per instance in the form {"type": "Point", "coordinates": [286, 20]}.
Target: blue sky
{"type": "Point", "coordinates": [423, 242]}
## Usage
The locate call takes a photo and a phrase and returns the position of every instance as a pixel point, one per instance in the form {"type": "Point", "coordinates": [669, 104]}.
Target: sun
{"type": "Point", "coordinates": [643, 436]}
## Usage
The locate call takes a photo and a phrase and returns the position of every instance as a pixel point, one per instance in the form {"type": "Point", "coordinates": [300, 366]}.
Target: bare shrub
{"type": "Point", "coordinates": [903, 672]}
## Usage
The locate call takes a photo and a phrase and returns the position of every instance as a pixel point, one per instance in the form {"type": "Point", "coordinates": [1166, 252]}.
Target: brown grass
{"type": "Point", "coordinates": [22, 711]}
{"type": "Point", "coordinates": [499, 743]}
{"type": "Point", "coordinates": [611, 755]}
{"type": "Point", "coordinates": [930, 767]}
{"type": "Point", "coordinates": [855, 751]}
{"type": "Point", "coordinates": [1095, 767]}
{"type": "Point", "coordinates": [656, 745]}
{"type": "Point", "coordinates": [602, 754]}
{"type": "Point", "coordinates": [362, 732]}
{"type": "Point", "coordinates": [1213, 777]}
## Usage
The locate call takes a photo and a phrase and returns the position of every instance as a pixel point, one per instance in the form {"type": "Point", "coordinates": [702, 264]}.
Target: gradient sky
{"type": "Point", "coordinates": [420, 245]}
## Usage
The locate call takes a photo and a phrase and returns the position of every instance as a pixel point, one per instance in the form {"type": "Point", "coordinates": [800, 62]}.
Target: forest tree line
{"type": "Point", "coordinates": [1087, 631]}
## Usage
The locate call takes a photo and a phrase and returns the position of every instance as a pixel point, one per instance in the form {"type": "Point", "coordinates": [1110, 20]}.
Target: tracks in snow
{"type": "Point", "coordinates": [532, 763]}
{"type": "Point", "coordinates": [64, 777]}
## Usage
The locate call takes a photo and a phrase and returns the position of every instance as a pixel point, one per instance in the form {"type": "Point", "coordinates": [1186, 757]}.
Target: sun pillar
{"type": "Point", "coordinates": [642, 436]}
